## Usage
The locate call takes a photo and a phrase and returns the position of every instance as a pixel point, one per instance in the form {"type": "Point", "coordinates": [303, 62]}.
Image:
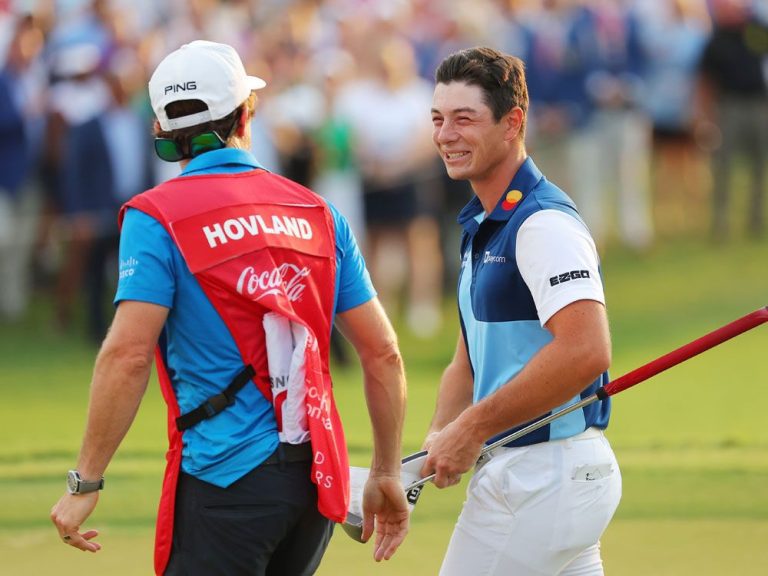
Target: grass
{"type": "Point", "coordinates": [691, 442]}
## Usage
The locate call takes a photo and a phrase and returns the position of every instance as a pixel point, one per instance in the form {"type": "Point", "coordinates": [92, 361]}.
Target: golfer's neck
{"type": "Point", "coordinates": [490, 187]}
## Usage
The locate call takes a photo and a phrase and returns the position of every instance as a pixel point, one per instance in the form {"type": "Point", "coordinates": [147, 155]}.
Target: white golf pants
{"type": "Point", "coordinates": [537, 510]}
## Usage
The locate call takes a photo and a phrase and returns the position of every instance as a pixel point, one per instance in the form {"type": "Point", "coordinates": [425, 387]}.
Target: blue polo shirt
{"type": "Point", "coordinates": [201, 354]}
{"type": "Point", "coordinates": [500, 316]}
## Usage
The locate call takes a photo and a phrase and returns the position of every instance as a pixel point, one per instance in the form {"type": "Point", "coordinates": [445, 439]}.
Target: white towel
{"type": "Point", "coordinates": [286, 344]}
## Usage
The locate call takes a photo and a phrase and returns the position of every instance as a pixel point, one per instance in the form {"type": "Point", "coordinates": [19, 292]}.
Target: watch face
{"type": "Point", "coordinates": [73, 481]}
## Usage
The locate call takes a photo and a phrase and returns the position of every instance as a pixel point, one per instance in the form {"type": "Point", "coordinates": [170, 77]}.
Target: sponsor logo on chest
{"type": "Point", "coordinates": [489, 258]}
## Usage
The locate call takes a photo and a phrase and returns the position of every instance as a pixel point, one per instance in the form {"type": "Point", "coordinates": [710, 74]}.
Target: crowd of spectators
{"type": "Point", "coordinates": [639, 110]}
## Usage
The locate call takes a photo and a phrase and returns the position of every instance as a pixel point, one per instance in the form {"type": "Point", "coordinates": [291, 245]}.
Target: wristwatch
{"type": "Point", "coordinates": [76, 485]}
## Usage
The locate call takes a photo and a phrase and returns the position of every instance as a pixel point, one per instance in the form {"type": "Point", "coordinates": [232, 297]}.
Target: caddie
{"type": "Point", "coordinates": [233, 276]}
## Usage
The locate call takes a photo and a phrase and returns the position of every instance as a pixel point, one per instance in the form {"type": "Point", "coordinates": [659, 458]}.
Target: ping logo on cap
{"type": "Point", "coordinates": [192, 85]}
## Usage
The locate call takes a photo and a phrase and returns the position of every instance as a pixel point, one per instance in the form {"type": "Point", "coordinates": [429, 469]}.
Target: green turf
{"type": "Point", "coordinates": [691, 442]}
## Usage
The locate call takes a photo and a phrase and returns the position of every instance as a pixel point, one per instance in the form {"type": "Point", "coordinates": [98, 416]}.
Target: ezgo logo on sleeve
{"type": "Point", "coordinates": [566, 276]}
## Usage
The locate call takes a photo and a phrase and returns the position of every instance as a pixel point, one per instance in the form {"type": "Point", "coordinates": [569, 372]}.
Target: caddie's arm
{"type": "Point", "coordinates": [580, 350]}
{"type": "Point", "coordinates": [369, 331]}
{"type": "Point", "coordinates": [120, 377]}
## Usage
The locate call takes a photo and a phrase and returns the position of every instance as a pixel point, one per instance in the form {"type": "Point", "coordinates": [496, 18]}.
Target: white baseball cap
{"type": "Point", "coordinates": [200, 70]}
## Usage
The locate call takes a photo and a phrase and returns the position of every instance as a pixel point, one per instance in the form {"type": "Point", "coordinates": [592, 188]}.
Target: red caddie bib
{"type": "Point", "coordinates": [257, 242]}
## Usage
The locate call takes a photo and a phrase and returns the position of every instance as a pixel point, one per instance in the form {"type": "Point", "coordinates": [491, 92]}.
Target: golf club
{"type": "Point", "coordinates": [410, 471]}
{"type": "Point", "coordinates": [353, 526]}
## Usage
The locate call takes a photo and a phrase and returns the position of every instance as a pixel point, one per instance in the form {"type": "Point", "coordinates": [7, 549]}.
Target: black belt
{"type": "Point", "coordinates": [290, 453]}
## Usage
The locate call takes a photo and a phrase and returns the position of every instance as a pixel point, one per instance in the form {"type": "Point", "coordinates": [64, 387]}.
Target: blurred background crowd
{"type": "Point", "coordinates": [640, 109]}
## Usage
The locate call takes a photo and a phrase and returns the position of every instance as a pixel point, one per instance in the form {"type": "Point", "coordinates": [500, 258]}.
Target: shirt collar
{"type": "Point", "coordinates": [216, 158]}
{"type": "Point", "coordinates": [524, 180]}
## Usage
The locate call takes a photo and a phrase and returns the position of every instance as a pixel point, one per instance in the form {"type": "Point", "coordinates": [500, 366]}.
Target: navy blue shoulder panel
{"type": "Point", "coordinates": [499, 293]}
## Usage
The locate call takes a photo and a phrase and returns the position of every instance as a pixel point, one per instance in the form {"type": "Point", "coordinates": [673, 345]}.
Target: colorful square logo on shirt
{"type": "Point", "coordinates": [511, 199]}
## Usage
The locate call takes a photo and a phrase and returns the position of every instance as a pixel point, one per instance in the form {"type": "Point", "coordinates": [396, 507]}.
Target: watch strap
{"type": "Point", "coordinates": [76, 485]}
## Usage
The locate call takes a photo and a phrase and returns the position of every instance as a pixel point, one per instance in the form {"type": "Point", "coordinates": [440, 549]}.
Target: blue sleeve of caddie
{"type": "Point", "coordinates": [354, 286]}
{"type": "Point", "coordinates": [147, 262]}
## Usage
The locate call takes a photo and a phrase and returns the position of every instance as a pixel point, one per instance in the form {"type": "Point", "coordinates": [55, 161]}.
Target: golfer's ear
{"type": "Point", "coordinates": [514, 122]}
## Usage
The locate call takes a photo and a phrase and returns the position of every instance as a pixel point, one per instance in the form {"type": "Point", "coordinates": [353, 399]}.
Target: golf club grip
{"type": "Point", "coordinates": [714, 338]}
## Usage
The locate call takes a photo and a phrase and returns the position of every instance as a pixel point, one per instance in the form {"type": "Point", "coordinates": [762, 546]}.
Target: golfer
{"type": "Point", "coordinates": [534, 338]}
{"type": "Point", "coordinates": [234, 276]}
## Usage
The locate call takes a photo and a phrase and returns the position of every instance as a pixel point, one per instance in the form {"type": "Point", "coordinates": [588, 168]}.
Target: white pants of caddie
{"type": "Point", "coordinates": [537, 510]}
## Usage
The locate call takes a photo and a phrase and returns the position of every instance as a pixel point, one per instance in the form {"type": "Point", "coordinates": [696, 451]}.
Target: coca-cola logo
{"type": "Point", "coordinates": [287, 278]}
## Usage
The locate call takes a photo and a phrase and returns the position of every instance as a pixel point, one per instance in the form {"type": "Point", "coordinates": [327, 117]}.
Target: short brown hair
{"type": "Point", "coordinates": [500, 76]}
{"type": "Point", "coordinates": [222, 126]}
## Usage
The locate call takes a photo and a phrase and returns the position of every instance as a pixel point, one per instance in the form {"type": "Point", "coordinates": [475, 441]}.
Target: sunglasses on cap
{"type": "Point", "coordinates": [173, 150]}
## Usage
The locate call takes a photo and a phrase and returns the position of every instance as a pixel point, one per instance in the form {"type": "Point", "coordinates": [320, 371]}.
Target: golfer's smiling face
{"type": "Point", "coordinates": [469, 140]}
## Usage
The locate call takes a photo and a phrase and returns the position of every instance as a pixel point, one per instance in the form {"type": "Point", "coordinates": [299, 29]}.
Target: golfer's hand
{"type": "Point", "coordinates": [384, 500]}
{"type": "Point", "coordinates": [451, 452]}
{"type": "Point", "coordinates": [427, 444]}
{"type": "Point", "coordinates": [69, 513]}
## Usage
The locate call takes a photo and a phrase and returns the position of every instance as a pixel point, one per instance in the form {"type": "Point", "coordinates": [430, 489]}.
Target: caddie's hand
{"type": "Point", "coordinates": [452, 452]}
{"type": "Point", "coordinates": [69, 513]}
{"type": "Point", "coordinates": [384, 500]}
